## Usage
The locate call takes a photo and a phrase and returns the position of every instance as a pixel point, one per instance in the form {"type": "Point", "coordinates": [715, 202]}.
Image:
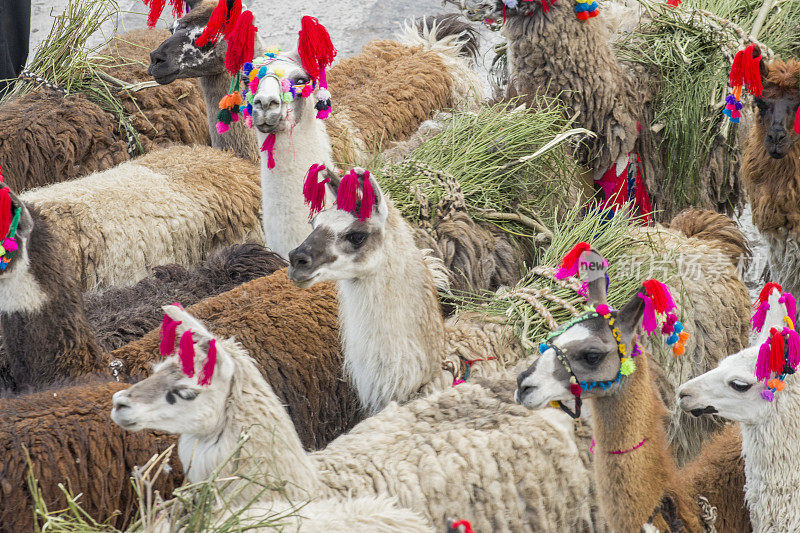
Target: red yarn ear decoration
{"type": "Point", "coordinates": [763, 296]}
{"type": "Point", "coordinates": [211, 362]}
{"type": "Point", "coordinates": [776, 351]}
{"type": "Point", "coordinates": [241, 43]}
{"type": "Point", "coordinates": [177, 8]}
{"type": "Point", "coordinates": [313, 190]}
{"type": "Point", "coordinates": [215, 25]}
{"type": "Point", "coordinates": [347, 195]}
{"type": "Point", "coordinates": [659, 293]}
{"type": "Point", "coordinates": [367, 198]}
{"type": "Point", "coordinates": [168, 334]}
{"type": "Point", "coordinates": [232, 18]}
{"type": "Point", "coordinates": [736, 76]}
{"type": "Point", "coordinates": [269, 147]}
{"type": "Point", "coordinates": [186, 353]}
{"type": "Point", "coordinates": [156, 7]}
{"type": "Point", "coordinates": [546, 5]}
{"type": "Point", "coordinates": [314, 46]}
{"type": "Point", "coordinates": [5, 212]}
{"type": "Point", "coordinates": [569, 265]}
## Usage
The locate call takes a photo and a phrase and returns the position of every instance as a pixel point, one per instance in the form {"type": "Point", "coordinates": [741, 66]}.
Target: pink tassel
{"type": "Point", "coordinates": [791, 305]}
{"type": "Point", "coordinates": [760, 316]}
{"type": "Point", "coordinates": [186, 353]}
{"type": "Point", "coordinates": [569, 265]}
{"type": "Point", "coordinates": [314, 190]}
{"type": "Point", "coordinates": [367, 198]}
{"type": "Point", "coordinates": [211, 362]}
{"type": "Point", "coordinates": [347, 195]}
{"type": "Point", "coordinates": [649, 317]}
{"type": "Point", "coordinates": [269, 147]}
{"type": "Point", "coordinates": [168, 334]}
{"type": "Point", "coordinates": [762, 363]}
{"type": "Point", "coordinates": [322, 114]}
{"type": "Point", "coordinates": [793, 353]}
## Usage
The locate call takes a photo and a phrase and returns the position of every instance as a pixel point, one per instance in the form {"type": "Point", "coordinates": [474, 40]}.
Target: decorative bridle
{"type": "Point", "coordinates": [577, 386]}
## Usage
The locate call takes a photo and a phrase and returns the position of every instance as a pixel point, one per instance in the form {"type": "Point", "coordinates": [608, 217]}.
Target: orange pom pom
{"type": "Point", "coordinates": [683, 337]}
{"type": "Point", "coordinates": [780, 385]}
{"type": "Point", "coordinates": [678, 350]}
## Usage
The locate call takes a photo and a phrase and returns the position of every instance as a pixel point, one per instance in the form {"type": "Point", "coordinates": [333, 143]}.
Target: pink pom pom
{"type": "Point", "coordinates": [10, 245]}
{"type": "Point", "coordinates": [235, 117]}
{"type": "Point", "coordinates": [222, 127]}
{"type": "Point", "coordinates": [286, 85]}
{"type": "Point", "coordinates": [186, 353]}
{"type": "Point", "coordinates": [248, 121]}
{"type": "Point", "coordinates": [168, 334]}
{"type": "Point", "coordinates": [253, 85]}
{"type": "Point", "coordinates": [669, 324]}
{"type": "Point", "coordinates": [307, 90]}
{"type": "Point", "coordinates": [602, 309]}
{"type": "Point", "coordinates": [367, 198]}
{"type": "Point", "coordinates": [760, 316]}
{"type": "Point", "coordinates": [347, 195]}
{"type": "Point", "coordinates": [322, 114]}
{"type": "Point", "coordinates": [762, 363]}
{"type": "Point", "coordinates": [787, 300]}
{"type": "Point", "coordinates": [211, 362]}
{"type": "Point", "coordinates": [569, 265]}
{"type": "Point", "coordinates": [649, 317]}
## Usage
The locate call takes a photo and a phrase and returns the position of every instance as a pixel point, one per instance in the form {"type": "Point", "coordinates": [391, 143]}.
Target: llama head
{"type": "Point", "coordinates": [180, 57]}
{"type": "Point", "coordinates": [16, 225]}
{"type": "Point", "coordinates": [186, 393]}
{"type": "Point", "coordinates": [497, 10]}
{"type": "Point", "coordinates": [281, 99]}
{"type": "Point", "coordinates": [347, 240]}
{"type": "Point", "coordinates": [743, 387]}
{"type": "Point", "coordinates": [591, 354]}
{"type": "Point", "coordinates": [778, 107]}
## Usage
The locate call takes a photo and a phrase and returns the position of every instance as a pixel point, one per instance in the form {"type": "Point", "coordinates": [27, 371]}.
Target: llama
{"type": "Point", "coordinates": [174, 205]}
{"type": "Point", "coordinates": [637, 480]}
{"type": "Point", "coordinates": [766, 415]}
{"type": "Point", "coordinates": [366, 116]}
{"type": "Point", "coordinates": [430, 454]}
{"type": "Point", "coordinates": [46, 137]}
{"type": "Point", "coordinates": [771, 169]}
{"type": "Point", "coordinates": [50, 332]}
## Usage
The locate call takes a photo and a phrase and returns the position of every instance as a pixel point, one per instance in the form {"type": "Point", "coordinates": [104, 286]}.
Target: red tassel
{"type": "Point", "coordinates": [211, 362]}
{"type": "Point", "coordinates": [168, 333]}
{"type": "Point", "coordinates": [367, 198]}
{"type": "Point", "coordinates": [156, 7]}
{"type": "Point", "coordinates": [186, 353]}
{"type": "Point", "coordinates": [347, 195]}
{"type": "Point", "coordinates": [569, 265]}
{"type": "Point", "coordinates": [546, 5]}
{"type": "Point", "coordinates": [763, 296]}
{"type": "Point", "coordinates": [776, 351]}
{"type": "Point", "coordinates": [314, 46]}
{"type": "Point", "coordinates": [736, 76]}
{"type": "Point", "coordinates": [233, 18]}
{"type": "Point", "coordinates": [5, 212]}
{"type": "Point", "coordinates": [269, 147]}
{"type": "Point", "coordinates": [215, 25]}
{"type": "Point", "coordinates": [465, 523]}
{"type": "Point", "coordinates": [659, 293]}
{"type": "Point", "coordinates": [177, 8]}
{"type": "Point", "coordinates": [313, 190]}
{"type": "Point", "coordinates": [241, 43]}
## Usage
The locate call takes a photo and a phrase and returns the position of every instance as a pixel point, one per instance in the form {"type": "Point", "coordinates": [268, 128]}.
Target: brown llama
{"type": "Point", "coordinates": [771, 169]}
{"type": "Point", "coordinates": [636, 478]}
{"type": "Point", "coordinates": [46, 137]}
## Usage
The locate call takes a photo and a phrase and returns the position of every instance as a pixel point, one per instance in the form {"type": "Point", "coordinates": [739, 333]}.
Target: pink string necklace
{"type": "Point", "coordinates": [619, 452]}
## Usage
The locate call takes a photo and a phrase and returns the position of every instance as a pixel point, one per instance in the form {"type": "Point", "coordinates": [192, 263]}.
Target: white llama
{"type": "Point", "coordinates": [393, 336]}
{"type": "Point", "coordinates": [466, 452]}
{"type": "Point", "coordinates": [767, 418]}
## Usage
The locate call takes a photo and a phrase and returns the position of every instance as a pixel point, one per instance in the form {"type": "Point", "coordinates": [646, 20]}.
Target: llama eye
{"type": "Point", "coordinates": [170, 398]}
{"type": "Point", "coordinates": [356, 238]}
{"type": "Point", "coordinates": [186, 394]}
{"type": "Point", "coordinates": [301, 81]}
{"type": "Point", "coordinates": [593, 358]}
{"type": "Point", "coordinates": [740, 386]}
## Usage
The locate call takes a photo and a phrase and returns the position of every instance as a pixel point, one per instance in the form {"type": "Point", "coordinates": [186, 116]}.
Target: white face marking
{"type": "Point", "coordinates": [541, 386]}
{"type": "Point", "coordinates": [718, 388]}
{"type": "Point", "coordinates": [19, 290]}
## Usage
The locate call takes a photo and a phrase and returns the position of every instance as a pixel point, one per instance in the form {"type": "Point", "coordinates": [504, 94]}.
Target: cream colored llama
{"type": "Point", "coordinates": [767, 418]}
{"type": "Point", "coordinates": [393, 335]}
{"type": "Point", "coordinates": [467, 451]}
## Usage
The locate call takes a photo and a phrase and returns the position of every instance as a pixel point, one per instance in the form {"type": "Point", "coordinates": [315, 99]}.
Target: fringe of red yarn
{"type": "Point", "coordinates": [156, 8]}
{"type": "Point", "coordinates": [746, 70]}
{"type": "Point", "coordinates": [314, 190]}
{"type": "Point", "coordinates": [766, 291]}
{"type": "Point", "coordinates": [660, 295]}
{"type": "Point", "coordinates": [211, 362]}
{"type": "Point", "coordinates": [314, 46]}
{"type": "Point", "coordinates": [186, 353]}
{"type": "Point", "coordinates": [367, 198]}
{"type": "Point", "coordinates": [215, 26]}
{"type": "Point", "coordinates": [776, 351]}
{"type": "Point", "coordinates": [241, 43]}
{"type": "Point", "coordinates": [168, 334]}
{"type": "Point", "coordinates": [569, 265]}
{"type": "Point", "coordinates": [269, 147]}
{"type": "Point", "coordinates": [5, 212]}
{"type": "Point", "coordinates": [347, 195]}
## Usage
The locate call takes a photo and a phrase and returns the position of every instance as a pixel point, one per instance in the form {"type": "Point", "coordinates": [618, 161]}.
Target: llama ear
{"type": "Point", "coordinates": [25, 226]}
{"type": "Point", "coordinates": [380, 210]}
{"type": "Point", "coordinates": [334, 179]}
{"type": "Point", "coordinates": [593, 270]}
{"type": "Point", "coordinates": [191, 4]}
{"type": "Point", "coordinates": [630, 316]}
{"type": "Point", "coordinates": [187, 322]}
{"type": "Point", "coordinates": [774, 316]}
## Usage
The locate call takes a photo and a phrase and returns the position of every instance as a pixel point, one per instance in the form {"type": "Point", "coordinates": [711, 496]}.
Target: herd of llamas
{"type": "Point", "coordinates": [173, 290]}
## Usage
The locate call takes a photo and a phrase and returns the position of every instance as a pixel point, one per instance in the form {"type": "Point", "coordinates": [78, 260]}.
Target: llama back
{"type": "Point", "coordinates": [172, 206]}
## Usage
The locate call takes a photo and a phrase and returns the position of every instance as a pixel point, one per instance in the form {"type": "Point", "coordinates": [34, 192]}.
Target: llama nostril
{"type": "Point", "coordinates": [682, 395]}
{"type": "Point", "coordinates": [120, 402]}
{"type": "Point", "coordinates": [299, 259]}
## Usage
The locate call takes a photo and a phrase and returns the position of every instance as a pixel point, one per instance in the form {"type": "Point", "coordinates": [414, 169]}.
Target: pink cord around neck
{"type": "Point", "coordinates": [620, 452]}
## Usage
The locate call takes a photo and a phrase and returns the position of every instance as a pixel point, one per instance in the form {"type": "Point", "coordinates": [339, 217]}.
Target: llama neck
{"type": "Point", "coordinates": [771, 450]}
{"type": "Point", "coordinates": [631, 485]}
{"type": "Point", "coordinates": [391, 324]}
{"type": "Point", "coordinates": [45, 333]}
{"type": "Point", "coordinates": [284, 213]}
{"type": "Point", "coordinates": [239, 139]}
{"type": "Point", "coordinates": [273, 449]}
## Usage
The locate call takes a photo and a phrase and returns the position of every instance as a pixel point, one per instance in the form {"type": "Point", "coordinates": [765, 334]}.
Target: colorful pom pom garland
{"type": "Point", "coordinates": [745, 72]}
{"type": "Point", "coordinates": [774, 362]}
{"type": "Point", "coordinates": [586, 9]}
{"type": "Point", "coordinates": [9, 220]}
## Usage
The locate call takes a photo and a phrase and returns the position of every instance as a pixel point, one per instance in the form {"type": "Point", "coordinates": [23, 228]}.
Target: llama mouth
{"type": "Point", "coordinates": [301, 282]}
{"type": "Point", "coordinates": [708, 410]}
{"type": "Point", "coordinates": [162, 78]}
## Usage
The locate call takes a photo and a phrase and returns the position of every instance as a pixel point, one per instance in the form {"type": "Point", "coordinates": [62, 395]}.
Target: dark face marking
{"type": "Point", "coordinates": [178, 57]}
{"type": "Point", "coordinates": [360, 240]}
{"type": "Point", "coordinates": [777, 117]}
{"type": "Point", "coordinates": [307, 258]}
{"type": "Point", "coordinates": [152, 389]}
{"type": "Point", "coordinates": [708, 410]}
